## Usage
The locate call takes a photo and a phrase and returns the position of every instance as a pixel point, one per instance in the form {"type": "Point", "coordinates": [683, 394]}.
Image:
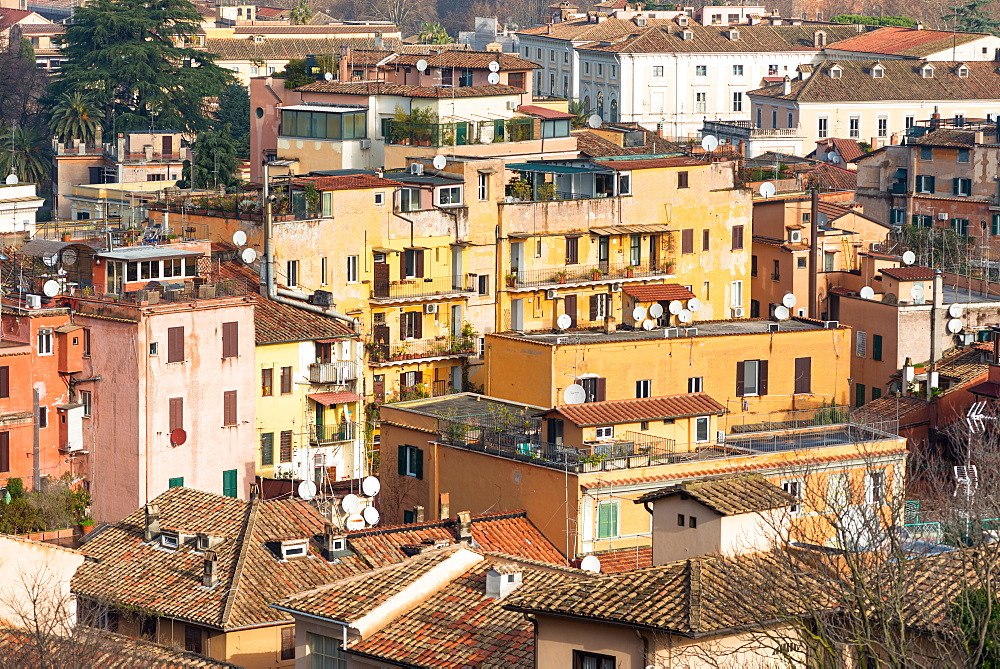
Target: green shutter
{"type": "Point", "coordinates": [267, 448]}
{"type": "Point", "coordinates": [859, 394]}
{"type": "Point", "coordinates": [419, 469]}
{"type": "Point", "coordinates": [177, 482]}
{"type": "Point", "coordinates": [876, 347]}
{"type": "Point", "coordinates": [995, 228]}
{"type": "Point", "coordinates": [607, 520]}
{"type": "Point", "coordinates": [876, 393]}
{"type": "Point", "coordinates": [401, 460]}
{"type": "Point", "coordinates": [229, 483]}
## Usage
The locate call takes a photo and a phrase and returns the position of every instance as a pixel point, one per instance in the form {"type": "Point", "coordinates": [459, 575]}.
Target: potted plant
{"type": "Point", "coordinates": [511, 280]}
{"type": "Point", "coordinates": [595, 274]}
{"type": "Point", "coordinates": [86, 525]}
{"type": "Point", "coordinates": [630, 271]}
{"type": "Point", "coordinates": [562, 275]}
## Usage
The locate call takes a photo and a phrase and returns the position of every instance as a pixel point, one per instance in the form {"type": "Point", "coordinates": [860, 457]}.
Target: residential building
{"type": "Point", "coordinates": [39, 582]}
{"type": "Point", "coordinates": [44, 39]}
{"type": "Point", "coordinates": [902, 43]}
{"type": "Point", "coordinates": [487, 32]}
{"type": "Point", "coordinates": [19, 205]}
{"type": "Point", "coordinates": [11, 19]}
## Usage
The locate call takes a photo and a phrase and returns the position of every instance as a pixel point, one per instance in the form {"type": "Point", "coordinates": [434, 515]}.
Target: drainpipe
{"type": "Point", "coordinates": [36, 475]}
{"type": "Point", "coordinates": [937, 302]}
{"type": "Point", "coordinates": [816, 256]}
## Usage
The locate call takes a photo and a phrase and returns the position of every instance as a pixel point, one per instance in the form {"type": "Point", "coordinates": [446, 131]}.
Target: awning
{"type": "Point", "coordinates": [631, 229]}
{"type": "Point", "coordinates": [328, 341]}
{"type": "Point", "coordinates": [329, 399]}
{"type": "Point", "coordinates": [556, 169]}
{"type": "Point", "coordinates": [63, 329]}
{"type": "Point", "coordinates": [380, 249]}
{"type": "Point", "coordinates": [664, 292]}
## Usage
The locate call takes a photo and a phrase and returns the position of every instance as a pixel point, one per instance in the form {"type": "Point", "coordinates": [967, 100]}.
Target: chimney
{"type": "Point", "coordinates": [152, 522]}
{"type": "Point", "coordinates": [937, 304]}
{"type": "Point", "coordinates": [418, 513]}
{"type": "Point", "coordinates": [464, 526]}
{"type": "Point", "coordinates": [210, 577]}
{"type": "Point", "coordinates": [610, 325]}
{"type": "Point", "coordinates": [333, 543]}
{"type": "Point", "coordinates": [502, 580]}
{"type": "Point", "coordinates": [919, 26]}
{"type": "Point", "coordinates": [344, 64]}
{"type": "Point", "coordinates": [743, 148]}
{"type": "Point", "coordinates": [378, 41]}
{"type": "Point", "coordinates": [936, 118]}
{"type": "Point", "coordinates": [444, 506]}
{"type": "Point", "coordinates": [786, 86]}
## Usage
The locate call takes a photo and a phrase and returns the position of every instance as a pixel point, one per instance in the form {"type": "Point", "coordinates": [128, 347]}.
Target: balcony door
{"type": "Point", "coordinates": [380, 286]}
{"type": "Point", "coordinates": [603, 252]}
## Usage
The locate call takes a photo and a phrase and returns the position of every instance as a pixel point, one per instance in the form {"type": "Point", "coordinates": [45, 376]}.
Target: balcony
{"type": "Point", "coordinates": [527, 279]}
{"type": "Point", "coordinates": [417, 349]}
{"type": "Point", "coordinates": [461, 133]}
{"type": "Point", "coordinates": [333, 372]}
{"type": "Point", "coordinates": [737, 130]}
{"type": "Point", "coordinates": [339, 432]}
{"type": "Point", "coordinates": [418, 287]}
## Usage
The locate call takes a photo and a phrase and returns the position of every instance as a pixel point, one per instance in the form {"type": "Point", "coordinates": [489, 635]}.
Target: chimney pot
{"type": "Point", "coordinates": [210, 577]}
{"type": "Point", "coordinates": [464, 526]}
{"type": "Point", "coordinates": [418, 513]}
{"type": "Point", "coordinates": [444, 506]}
{"type": "Point", "coordinates": [152, 522]}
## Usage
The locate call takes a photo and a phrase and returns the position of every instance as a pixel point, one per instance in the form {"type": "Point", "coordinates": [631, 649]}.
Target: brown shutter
{"type": "Point", "coordinates": [402, 380]}
{"type": "Point", "coordinates": [4, 451]}
{"type": "Point", "coordinates": [763, 378]}
{"type": "Point", "coordinates": [5, 381]}
{"type": "Point", "coordinates": [286, 446]}
{"type": "Point", "coordinates": [740, 379]}
{"type": "Point", "coordinates": [570, 309]}
{"type": "Point", "coordinates": [803, 375]}
{"type": "Point", "coordinates": [687, 240]}
{"type": "Point", "coordinates": [175, 344]}
{"type": "Point", "coordinates": [705, 235]}
{"type": "Point", "coordinates": [418, 263]}
{"type": "Point", "coordinates": [176, 405]}
{"type": "Point", "coordinates": [601, 391]}
{"type": "Point", "coordinates": [402, 264]}
{"type": "Point", "coordinates": [230, 339]}
{"type": "Point", "coordinates": [288, 643]}
{"type": "Point", "coordinates": [418, 378]}
{"type": "Point", "coordinates": [418, 316]}
{"type": "Point", "coordinates": [594, 306]}
{"type": "Point", "coordinates": [737, 237]}
{"type": "Point", "coordinates": [229, 407]}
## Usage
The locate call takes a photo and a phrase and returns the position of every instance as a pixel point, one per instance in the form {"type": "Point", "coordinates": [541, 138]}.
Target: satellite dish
{"type": "Point", "coordinates": [421, 65]}
{"type": "Point", "coordinates": [954, 326]}
{"type": "Point", "coordinates": [834, 157]}
{"type": "Point", "coordinates": [684, 316]}
{"type": "Point", "coordinates": [823, 220]}
{"type": "Point", "coordinates": [767, 189]}
{"type": "Point", "coordinates": [781, 312]}
{"type": "Point", "coordinates": [493, 78]}
{"type": "Point", "coordinates": [355, 522]}
{"type": "Point", "coordinates": [11, 179]}
{"type": "Point", "coordinates": [248, 255]}
{"type": "Point", "coordinates": [574, 394]}
{"type": "Point", "coordinates": [955, 310]}
{"type": "Point", "coordinates": [328, 76]}
{"type": "Point", "coordinates": [51, 288]}
{"type": "Point", "coordinates": [178, 436]}
{"type": "Point", "coordinates": [639, 313]}
{"type": "Point", "coordinates": [867, 293]}
{"type": "Point", "coordinates": [675, 307]}
{"type": "Point", "coordinates": [591, 563]}
{"type": "Point", "coordinates": [494, 66]}
{"type": "Point", "coordinates": [68, 256]}
{"type": "Point", "coordinates": [710, 143]}
{"type": "Point", "coordinates": [648, 324]}
{"type": "Point", "coordinates": [594, 121]}
{"type": "Point", "coordinates": [789, 300]}
{"type": "Point", "coordinates": [307, 490]}
{"type": "Point", "coordinates": [351, 503]}
{"type": "Point", "coordinates": [370, 486]}
{"type": "Point", "coordinates": [239, 238]}
{"type": "Point", "coordinates": [917, 292]}
{"type": "Point", "coordinates": [50, 258]}
{"type": "Point", "coordinates": [439, 162]}
{"type": "Point", "coordinates": [694, 304]}
{"type": "Point", "coordinates": [909, 258]}
{"type": "Point", "coordinates": [564, 321]}
{"type": "Point", "coordinates": [656, 310]}
{"type": "Point", "coordinates": [371, 515]}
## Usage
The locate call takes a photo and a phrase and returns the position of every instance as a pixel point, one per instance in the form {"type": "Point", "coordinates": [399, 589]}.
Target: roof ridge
{"type": "Point", "coordinates": [242, 548]}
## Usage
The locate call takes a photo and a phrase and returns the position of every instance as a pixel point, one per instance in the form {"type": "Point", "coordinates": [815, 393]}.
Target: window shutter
{"type": "Point", "coordinates": [4, 451]}
{"type": "Point", "coordinates": [570, 306]}
{"type": "Point", "coordinates": [175, 344]}
{"type": "Point", "coordinates": [876, 347]}
{"type": "Point", "coordinates": [176, 405]}
{"type": "Point", "coordinates": [418, 378]}
{"type": "Point", "coordinates": [230, 339]}
{"type": "Point", "coordinates": [803, 375]}
{"type": "Point", "coordinates": [594, 308]}
{"type": "Point", "coordinates": [402, 264]}
{"type": "Point", "coordinates": [267, 448]}
{"type": "Point", "coordinates": [740, 378]}
{"type": "Point", "coordinates": [955, 186]}
{"type": "Point", "coordinates": [687, 240]}
{"type": "Point", "coordinates": [418, 331]}
{"type": "Point", "coordinates": [401, 458]}
{"type": "Point", "coordinates": [601, 391]}
{"type": "Point", "coordinates": [402, 380]}
{"type": "Point", "coordinates": [420, 463]}
{"type": "Point", "coordinates": [418, 263]}
{"type": "Point", "coordinates": [5, 381]}
{"type": "Point", "coordinates": [229, 407]}
{"type": "Point", "coordinates": [763, 378]}
{"type": "Point", "coordinates": [286, 446]}
{"type": "Point", "coordinates": [229, 484]}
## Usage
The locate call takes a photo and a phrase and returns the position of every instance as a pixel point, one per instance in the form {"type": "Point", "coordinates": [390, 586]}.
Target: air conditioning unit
{"type": "Point", "coordinates": [430, 308]}
{"type": "Point", "coordinates": [669, 333]}
{"type": "Point", "coordinates": [33, 301]}
{"type": "Point", "coordinates": [321, 298]}
{"type": "Point", "coordinates": [511, 105]}
{"type": "Point", "coordinates": [942, 216]}
{"type": "Point", "coordinates": [720, 436]}
{"type": "Point", "coordinates": [366, 144]}
{"type": "Point", "coordinates": [831, 325]}
{"type": "Point", "coordinates": [795, 236]}
{"type": "Point", "coordinates": [416, 169]}
{"type": "Point", "coordinates": [772, 327]}
{"type": "Point", "coordinates": [616, 288]}
{"type": "Point", "coordinates": [551, 294]}
{"type": "Point", "coordinates": [737, 312]}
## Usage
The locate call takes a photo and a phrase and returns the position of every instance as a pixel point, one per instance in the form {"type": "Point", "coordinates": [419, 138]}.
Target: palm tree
{"type": "Point", "coordinates": [433, 33]}
{"type": "Point", "coordinates": [580, 113]}
{"type": "Point", "coordinates": [26, 153]}
{"type": "Point", "coordinates": [74, 117]}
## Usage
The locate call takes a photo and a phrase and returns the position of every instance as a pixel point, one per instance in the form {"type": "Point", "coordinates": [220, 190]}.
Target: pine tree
{"type": "Point", "coordinates": [215, 160]}
{"type": "Point", "coordinates": [973, 18]}
{"type": "Point", "coordinates": [234, 111]}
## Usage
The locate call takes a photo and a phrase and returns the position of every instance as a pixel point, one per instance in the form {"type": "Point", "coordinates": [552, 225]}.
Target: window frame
{"type": "Point", "coordinates": [353, 264]}
{"type": "Point", "coordinates": [608, 527]}
{"type": "Point", "coordinates": [643, 388]}
{"type": "Point", "coordinates": [702, 429]}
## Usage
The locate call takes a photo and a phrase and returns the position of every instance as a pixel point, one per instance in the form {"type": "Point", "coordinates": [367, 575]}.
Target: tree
{"type": "Point", "coordinates": [124, 55]}
{"type": "Point", "coordinates": [74, 118]}
{"type": "Point", "coordinates": [580, 113]}
{"type": "Point", "coordinates": [973, 17]}
{"type": "Point", "coordinates": [859, 19]}
{"type": "Point", "coordinates": [215, 159]}
{"type": "Point", "coordinates": [27, 153]}
{"type": "Point", "coordinates": [433, 33]}
{"type": "Point", "coordinates": [301, 14]}
{"type": "Point", "coordinates": [295, 74]}
{"type": "Point", "coordinates": [234, 111]}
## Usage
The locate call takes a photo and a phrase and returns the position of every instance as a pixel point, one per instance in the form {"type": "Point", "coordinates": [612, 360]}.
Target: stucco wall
{"type": "Point", "coordinates": [36, 583]}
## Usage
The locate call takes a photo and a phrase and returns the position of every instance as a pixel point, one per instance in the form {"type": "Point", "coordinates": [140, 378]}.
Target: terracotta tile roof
{"type": "Point", "coordinates": [348, 182]}
{"type": "Point", "coordinates": [126, 571]}
{"type": "Point", "coordinates": [889, 407]}
{"type": "Point", "coordinates": [911, 273]}
{"type": "Point", "coordinates": [658, 292]}
{"type": "Point", "coordinates": [728, 496]}
{"type": "Point", "coordinates": [475, 60]}
{"type": "Point", "coordinates": [285, 48]}
{"type": "Point", "coordinates": [899, 41]}
{"type": "Point", "coordinates": [9, 16]}
{"type": "Point", "coordinates": [633, 411]}
{"type": "Point", "coordinates": [543, 112]}
{"type": "Point", "coordinates": [378, 88]}
{"type": "Point", "coordinates": [595, 146]}
{"type": "Point", "coordinates": [830, 177]}
{"type": "Point", "coordinates": [665, 37]}
{"type": "Point", "coordinates": [329, 399]}
{"type": "Point", "coordinates": [936, 583]}
{"type": "Point", "coordinates": [41, 29]}
{"type": "Point", "coordinates": [355, 29]}
{"type": "Point", "coordinates": [652, 163]}
{"type": "Point", "coordinates": [902, 81]}
{"type": "Point", "coordinates": [625, 559]}
{"type": "Point", "coordinates": [947, 137]}
{"type": "Point", "coordinates": [89, 647]}
{"type": "Point", "coordinates": [581, 30]}
{"type": "Point", "coordinates": [848, 149]}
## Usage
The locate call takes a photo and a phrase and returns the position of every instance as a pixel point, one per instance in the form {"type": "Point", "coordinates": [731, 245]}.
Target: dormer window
{"type": "Point", "coordinates": [682, 20]}
{"type": "Point", "coordinates": [294, 548]}
{"type": "Point", "coordinates": [878, 71]}
{"type": "Point", "coordinates": [687, 35]}
{"type": "Point", "coordinates": [836, 71]}
{"type": "Point", "coordinates": [927, 71]}
{"type": "Point", "coordinates": [963, 71]}
{"type": "Point", "coordinates": [257, 39]}
{"type": "Point", "coordinates": [170, 539]}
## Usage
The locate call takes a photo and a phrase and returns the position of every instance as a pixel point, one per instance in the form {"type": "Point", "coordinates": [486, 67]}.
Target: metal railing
{"type": "Point", "coordinates": [420, 348]}
{"type": "Point", "coordinates": [578, 273]}
{"type": "Point", "coordinates": [181, 291]}
{"type": "Point", "coordinates": [333, 372]}
{"type": "Point", "coordinates": [326, 434]}
{"type": "Point", "coordinates": [418, 287]}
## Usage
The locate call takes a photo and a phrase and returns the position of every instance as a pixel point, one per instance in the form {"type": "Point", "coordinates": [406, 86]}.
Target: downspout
{"type": "Point", "coordinates": [816, 256]}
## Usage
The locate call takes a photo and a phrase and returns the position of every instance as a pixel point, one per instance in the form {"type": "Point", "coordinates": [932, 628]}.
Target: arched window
{"type": "Point", "coordinates": [586, 104]}
{"type": "Point", "coordinates": [614, 110]}
{"type": "Point", "coordinates": [600, 104]}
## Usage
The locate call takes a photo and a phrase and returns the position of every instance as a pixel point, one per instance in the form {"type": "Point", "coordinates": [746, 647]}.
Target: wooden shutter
{"type": "Point", "coordinates": [402, 380]}
{"type": "Point", "coordinates": [737, 237]}
{"type": "Point", "coordinates": [286, 446]}
{"type": "Point", "coordinates": [803, 375]}
{"type": "Point", "coordinates": [4, 451]}
{"type": "Point", "coordinates": [286, 380]}
{"type": "Point", "coordinates": [762, 386]}
{"type": "Point", "coordinates": [267, 448]}
{"type": "Point", "coordinates": [418, 378]}
{"type": "Point", "coordinates": [570, 309]}
{"type": "Point", "coordinates": [175, 344]}
{"type": "Point", "coordinates": [600, 389]}
{"type": "Point", "coordinates": [420, 462]}
{"type": "Point", "coordinates": [230, 339]}
{"type": "Point", "coordinates": [740, 378]}
{"type": "Point", "coordinates": [176, 405]}
{"type": "Point", "coordinates": [229, 484]}
{"type": "Point", "coordinates": [418, 331]}
{"type": "Point", "coordinates": [687, 240]}
{"type": "Point", "coordinates": [876, 349]}
{"type": "Point", "coordinates": [595, 307]}
{"type": "Point", "coordinates": [418, 263]}
{"type": "Point", "coordinates": [5, 381]}
{"type": "Point", "coordinates": [229, 407]}
{"type": "Point", "coordinates": [288, 643]}
{"type": "Point", "coordinates": [401, 454]}
{"type": "Point", "coordinates": [402, 263]}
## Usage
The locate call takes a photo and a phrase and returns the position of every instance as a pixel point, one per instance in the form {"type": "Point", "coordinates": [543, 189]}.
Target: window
{"type": "Point", "coordinates": [175, 409]}
{"type": "Point", "coordinates": [737, 101]}
{"type": "Point", "coordinates": [751, 378]}
{"type": "Point", "coordinates": [325, 652]}
{"type": "Point", "coordinates": [800, 262]}
{"type": "Point", "coordinates": [43, 417]}
{"type": "Point", "coordinates": [87, 400]}
{"type": "Point", "coordinates": [484, 284]}
{"type": "Point", "coordinates": [960, 226]}
{"type": "Point", "coordinates": [288, 643]}
{"type": "Point", "coordinates": [681, 520]}
{"type": "Point", "coordinates": [701, 425]}
{"type": "Point", "coordinates": [701, 102]}
{"type": "Point", "coordinates": [737, 237]}
{"type": "Point", "coordinates": [229, 407]}
{"type": "Point", "coordinates": [760, 117]}
{"type": "Point", "coordinates": [838, 491]}
{"type": "Point", "coordinates": [285, 452]}
{"type": "Point", "coordinates": [737, 70]}
{"type": "Point", "coordinates": [600, 70]}
{"type": "Point", "coordinates": [876, 393]}
{"type": "Point", "coordinates": [692, 522]}
{"type": "Point", "coordinates": [657, 70]}
{"type": "Point", "coordinates": [352, 269]}
{"type": "Point", "coordinates": [635, 250]}
{"type": "Point", "coordinates": [875, 487]}
{"type": "Point", "coordinates": [753, 265]}
{"type": "Point", "coordinates": [323, 274]}
{"type": "Point", "coordinates": [696, 384]}
{"type": "Point", "coordinates": [963, 155]}
{"type": "Point", "coordinates": [876, 347]}
{"type": "Point", "coordinates": [583, 660]}
{"type": "Point", "coordinates": [701, 70]}
{"type": "Point", "coordinates": [706, 235]}
{"type": "Point", "coordinates": [772, 70]}
{"type": "Point", "coordinates": [598, 307]}
{"type": "Point", "coordinates": [572, 250]}
{"type": "Point", "coordinates": [412, 263]}
{"type": "Point", "coordinates": [803, 375]}
{"type": "Point", "coordinates": [230, 339]}
{"type": "Point", "coordinates": [909, 122]}
{"type": "Point", "coordinates": [861, 344]}
{"type": "Point", "coordinates": [286, 380]}
{"type": "Point", "coordinates": [926, 153]}
{"type": "Point", "coordinates": [4, 451]}
{"type": "Point", "coordinates": [449, 196]}
{"type": "Point", "coordinates": [736, 294]}
{"type": "Point", "coordinates": [411, 325]}
{"type": "Point", "coordinates": [607, 519]}
{"type": "Point", "coordinates": [267, 448]}
{"type": "Point", "coordinates": [229, 484]}
{"type": "Point", "coordinates": [776, 272]}
{"type": "Point", "coordinates": [605, 432]}
{"type": "Point", "coordinates": [774, 118]}
{"type": "Point", "coordinates": [379, 198]}
{"type": "Point", "coordinates": [624, 184]}
{"type": "Point", "coordinates": [995, 225]}
{"type": "Point", "coordinates": [596, 388]}
{"type": "Point", "coordinates": [687, 240]}
{"type": "Point", "coordinates": [922, 220]}
{"type": "Point", "coordinates": [614, 71]}
{"type": "Point", "coordinates": [822, 129]}
{"type": "Point", "coordinates": [324, 125]}
{"type": "Point", "coordinates": [4, 382]}
{"type": "Point", "coordinates": [484, 186]}
{"type": "Point", "coordinates": [643, 388]}
{"type": "Point", "coordinates": [177, 482]}
{"type": "Point", "coordinates": [586, 68]}
{"type": "Point", "coordinates": [854, 127]}
{"type": "Point", "coordinates": [292, 273]}
{"type": "Point", "coordinates": [925, 183]}
{"type": "Point", "coordinates": [410, 461]}
{"type": "Point", "coordinates": [790, 117]}
{"type": "Point", "coordinates": [86, 342]}
{"type": "Point", "coordinates": [682, 179]}
{"type": "Point", "coordinates": [409, 199]}
{"type": "Point", "coordinates": [961, 187]}
{"type": "Point", "coordinates": [883, 126]}
{"type": "Point", "coordinates": [793, 488]}
{"type": "Point", "coordinates": [45, 342]}
{"type": "Point", "coordinates": [859, 394]}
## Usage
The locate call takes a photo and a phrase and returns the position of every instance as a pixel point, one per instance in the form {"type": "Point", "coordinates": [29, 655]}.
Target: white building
{"type": "Point", "coordinates": [18, 206]}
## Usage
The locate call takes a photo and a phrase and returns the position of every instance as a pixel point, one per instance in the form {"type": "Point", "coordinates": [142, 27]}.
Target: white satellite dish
{"type": "Point", "coordinates": [648, 324]}
{"type": "Point", "coordinates": [917, 292]}
{"type": "Point", "coordinates": [239, 238]}
{"type": "Point", "coordinates": [639, 313]}
{"type": "Point", "coordinates": [439, 162]}
{"type": "Point", "coordinates": [307, 490]}
{"type": "Point", "coordinates": [494, 66]}
{"type": "Point", "coordinates": [50, 259]}
{"type": "Point", "coordinates": [493, 78]}
{"type": "Point", "coordinates": [328, 76]}
{"type": "Point", "coordinates": [954, 326]}
{"type": "Point", "coordinates": [421, 65]}
{"type": "Point", "coordinates": [767, 189]}
{"type": "Point", "coordinates": [371, 515]}
{"type": "Point", "coordinates": [834, 157]}
{"type": "Point", "coordinates": [909, 257]}
{"type": "Point", "coordinates": [684, 316]}
{"type": "Point", "coordinates": [675, 307]}
{"type": "Point", "coordinates": [789, 300]}
{"type": "Point", "coordinates": [781, 312]}
{"type": "Point", "coordinates": [355, 522]}
{"type": "Point", "coordinates": [351, 503]}
{"type": "Point", "coordinates": [564, 321]}
{"type": "Point", "coordinates": [710, 143]}
{"type": "Point", "coordinates": [51, 288]}
{"type": "Point", "coordinates": [955, 310]}
{"type": "Point", "coordinates": [370, 486]}
{"type": "Point", "coordinates": [591, 563]}
{"type": "Point", "coordinates": [656, 310]}
{"type": "Point", "coordinates": [694, 304]}
{"type": "Point", "coordinates": [867, 293]}
{"type": "Point", "coordinates": [11, 179]}
{"type": "Point", "coordinates": [594, 121]}
{"type": "Point", "coordinates": [248, 256]}
{"type": "Point", "coordinates": [574, 394]}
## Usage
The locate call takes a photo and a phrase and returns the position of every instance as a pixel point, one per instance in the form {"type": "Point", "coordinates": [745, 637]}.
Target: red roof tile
{"type": "Point", "coordinates": [405, 90]}
{"type": "Point", "coordinates": [633, 411]}
{"type": "Point", "coordinates": [354, 29]}
{"type": "Point", "coordinates": [625, 559]}
{"type": "Point", "coordinates": [658, 292]}
{"type": "Point", "coordinates": [909, 273]}
{"type": "Point", "coordinates": [347, 182]}
{"type": "Point", "coordinates": [652, 163]}
{"type": "Point", "coordinates": [9, 17]}
{"type": "Point", "coordinates": [543, 112]}
{"type": "Point", "coordinates": [329, 399]}
{"type": "Point", "coordinates": [895, 40]}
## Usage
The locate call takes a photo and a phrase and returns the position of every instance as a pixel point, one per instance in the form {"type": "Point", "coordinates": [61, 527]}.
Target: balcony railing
{"type": "Point", "coordinates": [579, 273]}
{"type": "Point", "coordinates": [419, 287]}
{"type": "Point", "coordinates": [329, 434]}
{"type": "Point", "coordinates": [156, 292]}
{"type": "Point", "coordinates": [419, 348]}
{"type": "Point", "coordinates": [333, 372]}
{"type": "Point", "coordinates": [460, 133]}
{"type": "Point", "coordinates": [745, 130]}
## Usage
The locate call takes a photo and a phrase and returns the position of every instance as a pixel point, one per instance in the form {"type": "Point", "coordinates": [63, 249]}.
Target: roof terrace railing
{"type": "Point", "coordinates": [578, 273]}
